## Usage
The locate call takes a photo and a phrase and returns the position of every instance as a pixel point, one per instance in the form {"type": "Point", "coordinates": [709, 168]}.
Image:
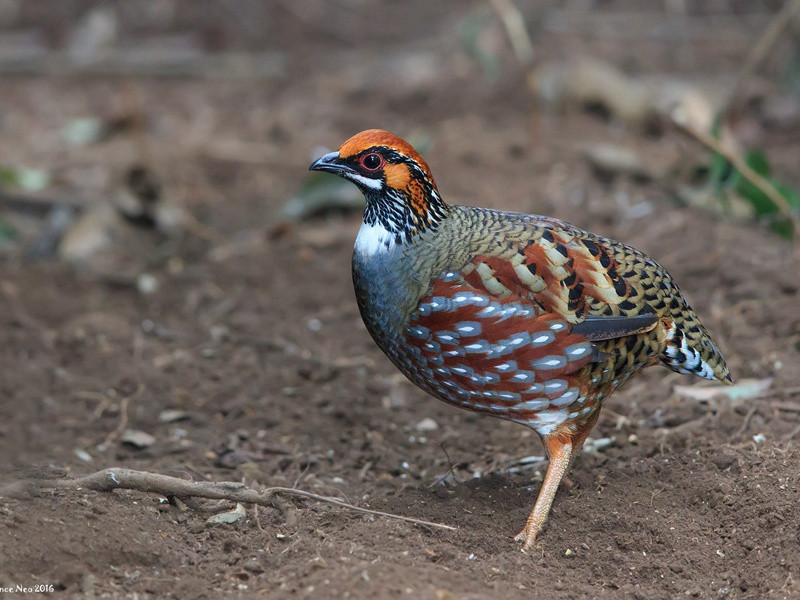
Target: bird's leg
{"type": "Point", "coordinates": [562, 446]}
{"type": "Point", "coordinates": [560, 449]}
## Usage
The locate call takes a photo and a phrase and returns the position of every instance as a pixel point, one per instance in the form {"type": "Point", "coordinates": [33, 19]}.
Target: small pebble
{"type": "Point", "coordinates": [170, 415]}
{"type": "Point", "coordinates": [82, 131]}
{"type": "Point", "coordinates": [146, 284]}
{"type": "Point", "coordinates": [427, 424]}
{"type": "Point", "coordinates": [253, 565]}
{"type": "Point", "coordinates": [232, 516]}
{"type": "Point", "coordinates": [596, 445]}
{"type": "Point", "coordinates": [178, 433]}
{"type": "Point", "coordinates": [83, 455]}
{"type": "Point", "coordinates": [219, 333]}
{"type": "Point", "coordinates": [137, 439]}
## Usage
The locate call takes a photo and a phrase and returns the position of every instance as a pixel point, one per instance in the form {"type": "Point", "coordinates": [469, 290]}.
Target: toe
{"type": "Point", "coordinates": [527, 536]}
{"type": "Point", "coordinates": [530, 540]}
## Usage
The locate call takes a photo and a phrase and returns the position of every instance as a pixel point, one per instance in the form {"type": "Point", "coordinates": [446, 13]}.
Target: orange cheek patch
{"type": "Point", "coordinates": [397, 176]}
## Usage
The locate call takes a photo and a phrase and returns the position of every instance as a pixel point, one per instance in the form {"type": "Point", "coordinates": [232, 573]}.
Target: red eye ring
{"type": "Point", "coordinates": [372, 161]}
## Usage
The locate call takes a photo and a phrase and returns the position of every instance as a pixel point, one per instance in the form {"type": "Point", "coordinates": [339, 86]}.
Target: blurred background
{"type": "Point", "coordinates": [175, 292]}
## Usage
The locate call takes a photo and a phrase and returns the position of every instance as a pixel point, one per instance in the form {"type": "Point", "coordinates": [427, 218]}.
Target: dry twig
{"type": "Point", "coordinates": [123, 418]}
{"type": "Point", "coordinates": [516, 31]}
{"type": "Point", "coordinates": [762, 47]}
{"type": "Point", "coordinates": [108, 480]}
{"type": "Point", "coordinates": [747, 418]}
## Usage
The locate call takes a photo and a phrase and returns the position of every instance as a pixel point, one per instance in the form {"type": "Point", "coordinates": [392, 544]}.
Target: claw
{"type": "Point", "coordinates": [528, 536]}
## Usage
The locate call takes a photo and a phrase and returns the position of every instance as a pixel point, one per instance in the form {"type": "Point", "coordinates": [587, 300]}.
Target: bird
{"type": "Point", "coordinates": [523, 317]}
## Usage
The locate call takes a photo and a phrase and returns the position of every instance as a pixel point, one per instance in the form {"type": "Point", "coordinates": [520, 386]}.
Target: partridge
{"type": "Point", "coordinates": [522, 317]}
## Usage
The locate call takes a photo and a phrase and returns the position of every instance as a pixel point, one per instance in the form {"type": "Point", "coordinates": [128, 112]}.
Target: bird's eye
{"type": "Point", "coordinates": [371, 161]}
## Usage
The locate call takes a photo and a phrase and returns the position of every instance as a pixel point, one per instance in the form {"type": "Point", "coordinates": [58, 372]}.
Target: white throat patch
{"type": "Point", "coordinates": [374, 239]}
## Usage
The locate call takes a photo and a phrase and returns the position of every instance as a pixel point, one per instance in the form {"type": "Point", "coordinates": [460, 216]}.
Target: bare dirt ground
{"type": "Point", "coordinates": [252, 333]}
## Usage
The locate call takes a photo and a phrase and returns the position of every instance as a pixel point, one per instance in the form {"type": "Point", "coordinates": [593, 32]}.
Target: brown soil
{"type": "Point", "coordinates": [257, 340]}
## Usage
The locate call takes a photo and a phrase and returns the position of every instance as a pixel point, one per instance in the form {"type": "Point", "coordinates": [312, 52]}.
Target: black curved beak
{"type": "Point", "coordinates": [331, 163]}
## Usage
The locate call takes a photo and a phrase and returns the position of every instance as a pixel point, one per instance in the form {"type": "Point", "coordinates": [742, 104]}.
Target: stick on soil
{"type": "Point", "coordinates": [108, 480]}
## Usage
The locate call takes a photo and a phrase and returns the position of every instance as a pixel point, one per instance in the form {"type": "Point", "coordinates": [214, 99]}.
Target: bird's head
{"type": "Point", "coordinates": [396, 181]}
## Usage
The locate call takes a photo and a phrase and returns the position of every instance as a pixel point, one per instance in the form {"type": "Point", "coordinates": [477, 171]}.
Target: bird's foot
{"type": "Point", "coordinates": [528, 536]}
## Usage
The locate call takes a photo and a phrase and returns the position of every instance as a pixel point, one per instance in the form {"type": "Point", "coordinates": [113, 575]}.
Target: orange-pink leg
{"type": "Point", "coordinates": [562, 446]}
{"type": "Point", "coordinates": [560, 456]}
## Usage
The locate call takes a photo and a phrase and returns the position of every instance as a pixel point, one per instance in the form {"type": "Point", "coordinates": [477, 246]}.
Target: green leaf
{"type": "Point", "coordinates": [8, 176]}
{"type": "Point", "coordinates": [722, 178]}
{"type": "Point", "coordinates": [31, 180]}
{"type": "Point", "coordinates": [791, 194]}
{"type": "Point", "coordinates": [783, 228]}
{"type": "Point", "coordinates": [757, 161]}
{"type": "Point", "coordinates": [719, 171]}
{"type": "Point", "coordinates": [782, 225]}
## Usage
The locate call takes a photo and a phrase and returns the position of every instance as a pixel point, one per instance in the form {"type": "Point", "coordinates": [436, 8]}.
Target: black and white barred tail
{"type": "Point", "coordinates": [699, 356]}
